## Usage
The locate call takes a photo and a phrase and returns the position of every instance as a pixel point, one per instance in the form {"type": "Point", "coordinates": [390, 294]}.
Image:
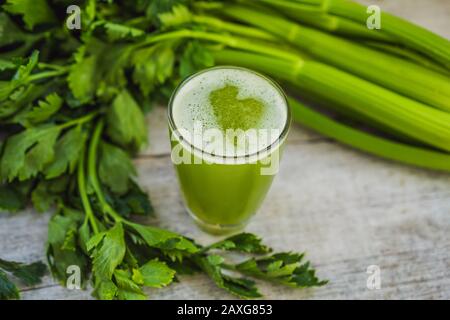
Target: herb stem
{"type": "Point", "coordinates": [205, 249]}
{"type": "Point", "coordinates": [228, 40]}
{"type": "Point", "coordinates": [93, 176]}
{"type": "Point", "coordinates": [56, 67]}
{"type": "Point", "coordinates": [79, 121]}
{"type": "Point", "coordinates": [83, 193]}
{"type": "Point", "coordinates": [233, 27]}
{"type": "Point", "coordinates": [318, 18]}
{"type": "Point", "coordinates": [228, 266]}
{"type": "Point", "coordinates": [47, 74]}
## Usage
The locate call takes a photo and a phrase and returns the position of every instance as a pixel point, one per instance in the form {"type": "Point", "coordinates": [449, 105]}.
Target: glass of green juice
{"type": "Point", "coordinates": [227, 127]}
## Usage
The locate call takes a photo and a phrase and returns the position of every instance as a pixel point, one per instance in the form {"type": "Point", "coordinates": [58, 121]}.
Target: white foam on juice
{"type": "Point", "coordinates": [191, 106]}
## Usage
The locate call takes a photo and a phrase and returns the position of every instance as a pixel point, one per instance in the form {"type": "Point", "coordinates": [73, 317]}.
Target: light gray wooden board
{"type": "Point", "coordinates": [347, 209]}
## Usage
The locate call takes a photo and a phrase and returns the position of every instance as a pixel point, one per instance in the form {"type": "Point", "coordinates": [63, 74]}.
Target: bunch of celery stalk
{"type": "Point", "coordinates": [395, 81]}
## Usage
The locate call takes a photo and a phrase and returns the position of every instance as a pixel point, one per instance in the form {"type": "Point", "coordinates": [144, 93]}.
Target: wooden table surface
{"type": "Point", "coordinates": [348, 210]}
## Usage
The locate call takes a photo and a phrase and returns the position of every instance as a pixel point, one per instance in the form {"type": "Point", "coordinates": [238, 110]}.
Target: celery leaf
{"type": "Point", "coordinates": [156, 274]}
{"type": "Point", "coordinates": [126, 122]}
{"type": "Point", "coordinates": [34, 12]}
{"type": "Point", "coordinates": [115, 168]}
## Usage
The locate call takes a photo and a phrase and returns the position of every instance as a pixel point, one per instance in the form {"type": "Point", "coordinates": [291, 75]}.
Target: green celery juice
{"type": "Point", "coordinates": [227, 127]}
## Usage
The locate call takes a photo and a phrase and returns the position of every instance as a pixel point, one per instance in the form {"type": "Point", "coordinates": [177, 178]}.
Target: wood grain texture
{"type": "Point", "coordinates": [347, 209]}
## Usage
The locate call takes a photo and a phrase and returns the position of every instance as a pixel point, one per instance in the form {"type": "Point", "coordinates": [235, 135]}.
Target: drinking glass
{"type": "Point", "coordinates": [221, 192]}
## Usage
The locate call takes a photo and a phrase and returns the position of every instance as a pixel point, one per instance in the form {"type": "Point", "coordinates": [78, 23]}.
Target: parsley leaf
{"type": "Point", "coordinates": [29, 274]}
{"type": "Point", "coordinates": [167, 240]}
{"type": "Point", "coordinates": [45, 109]}
{"type": "Point", "coordinates": [83, 76]}
{"type": "Point", "coordinates": [155, 274]}
{"type": "Point", "coordinates": [212, 266]}
{"type": "Point", "coordinates": [127, 288]}
{"type": "Point", "coordinates": [134, 201]}
{"type": "Point", "coordinates": [67, 151]}
{"type": "Point", "coordinates": [149, 75]}
{"type": "Point", "coordinates": [242, 242]}
{"type": "Point", "coordinates": [284, 268]}
{"type": "Point", "coordinates": [157, 7]}
{"type": "Point", "coordinates": [61, 244]}
{"type": "Point", "coordinates": [116, 31]}
{"type": "Point", "coordinates": [126, 122]}
{"type": "Point", "coordinates": [115, 168]}
{"type": "Point", "coordinates": [195, 57]}
{"type": "Point", "coordinates": [24, 71]}
{"type": "Point", "coordinates": [34, 12]}
{"type": "Point", "coordinates": [11, 35]}
{"type": "Point", "coordinates": [241, 287]}
{"type": "Point", "coordinates": [42, 198]}
{"type": "Point", "coordinates": [109, 253]}
{"type": "Point", "coordinates": [11, 199]}
{"type": "Point", "coordinates": [6, 64]}
{"type": "Point", "coordinates": [8, 290]}
{"type": "Point", "coordinates": [27, 153]}
{"type": "Point", "coordinates": [179, 15]}
{"type": "Point", "coordinates": [105, 290]}
{"type": "Point", "coordinates": [19, 79]}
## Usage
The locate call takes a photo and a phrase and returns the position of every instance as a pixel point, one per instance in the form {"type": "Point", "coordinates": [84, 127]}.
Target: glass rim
{"type": "Point", "coordinates": [267, 149]}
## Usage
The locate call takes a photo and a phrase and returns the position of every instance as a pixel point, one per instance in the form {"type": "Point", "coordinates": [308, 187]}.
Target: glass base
{"type": "Point", "coordinates": [217, 229]}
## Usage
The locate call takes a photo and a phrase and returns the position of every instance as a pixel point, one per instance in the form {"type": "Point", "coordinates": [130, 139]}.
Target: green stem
{"type": "Point", "coordinates": [409, 54]}
{"type": "Point", "coordinates": [137, 21]}
{"type": "Point", "coordinates": [92, 161]}
{"type": "Point", "coordinates": [93, 176]}
{"type": "Point", "coordinates": [83, 194]}
{"type": "Point", "coordinates": [316, 17]}
{"type": "Point", "coordinates": [409, 34]}
{"type": "Point", "coordinates": [43, 65]}
{"type": "Point", "coordinates": [228, 40]}
{"type": "Point", "coordinates": [228, 266]}
{"type": "Point", "coordinates": [367, 142]}
{"type": "Point", "coordinates": [405, 32]}
{"type": "Point", "coordinates": [206, 248]}
{"type": "Point", "coordinates": [233, 27]}
{"type": "Point", "coordinates": [46, 74]}
{"type": "Point", "coordinates": [79, 121]}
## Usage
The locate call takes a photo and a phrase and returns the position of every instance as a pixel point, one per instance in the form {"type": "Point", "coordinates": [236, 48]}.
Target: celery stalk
{"type": "Point", "coordinates": [395, 73]}
{"type": "Point", "coordinates": [409, 117]}
{"type": "Point", "coordinates": [372, 144]}
{"type": "Point", "coordinates": [316, 17]}
{"type": "Point", "coordinates": [232, 27]}
{"type": "Point", "coordinates": [407, 33]}
{"type": "Point", "coordinates": [269, 48]}
{"type": "Point", "coordinates": [407, 53]}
